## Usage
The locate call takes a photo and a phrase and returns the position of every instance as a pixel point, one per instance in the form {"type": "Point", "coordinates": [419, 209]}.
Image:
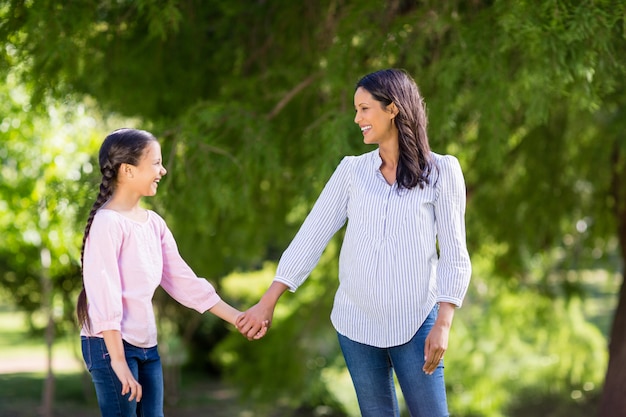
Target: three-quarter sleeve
{"type": "Point", "coordinates": [179, 280]}
{"type": "Point", "coordinates": [101, 275]}
{"type": "Point", "coordinates": [454, 268]}
{"type": "Point", "coordinates": [328, 215]}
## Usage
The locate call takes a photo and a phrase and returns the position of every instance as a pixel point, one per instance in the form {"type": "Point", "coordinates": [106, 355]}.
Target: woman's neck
{"type": "Point", "coordinates": [390, 154]}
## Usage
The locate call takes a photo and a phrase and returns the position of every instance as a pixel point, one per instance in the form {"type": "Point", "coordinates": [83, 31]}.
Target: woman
{"type": "Point", "coordinates": [404, 265]}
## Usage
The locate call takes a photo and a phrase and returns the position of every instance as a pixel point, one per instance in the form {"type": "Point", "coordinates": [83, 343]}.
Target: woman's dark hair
{"type": "Point", "coordinates": [397, 86]}
{"type": "Point", "coordinates": [122, 146]}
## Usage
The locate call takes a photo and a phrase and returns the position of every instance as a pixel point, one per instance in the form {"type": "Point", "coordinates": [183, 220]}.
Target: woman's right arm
{"type": "Point", "coordinates": [115, 346]}
{"type": "Point", "coordinates": [328, 215]}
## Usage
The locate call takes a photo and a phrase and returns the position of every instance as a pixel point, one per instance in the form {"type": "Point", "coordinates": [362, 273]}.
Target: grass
{"type": "Point", "coordinates": [21, 395]}
{"type": "Point", "coordinates": [27, 353]}
{"type": "Point", "coordinates": [23, 370]}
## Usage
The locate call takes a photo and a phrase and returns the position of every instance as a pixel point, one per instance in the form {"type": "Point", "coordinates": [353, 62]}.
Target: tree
{"type": "Point", "coordinates": [37, 213]}
{"type": "Point", "coordinates": [253, 99]}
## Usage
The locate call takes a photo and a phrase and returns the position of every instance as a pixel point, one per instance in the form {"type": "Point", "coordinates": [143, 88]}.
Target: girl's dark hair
{"type": "Point", "coordinates": [397, 86]}
{"type": "Point", "coordinates": [122, 146]}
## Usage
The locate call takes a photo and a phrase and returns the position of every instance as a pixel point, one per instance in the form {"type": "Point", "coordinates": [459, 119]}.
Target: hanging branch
{"type": "Point", "coordinates": [291, 94]}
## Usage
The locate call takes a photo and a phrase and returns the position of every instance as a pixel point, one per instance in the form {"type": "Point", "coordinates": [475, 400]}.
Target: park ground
{"type": "Point", "coordinates": [23, 368]}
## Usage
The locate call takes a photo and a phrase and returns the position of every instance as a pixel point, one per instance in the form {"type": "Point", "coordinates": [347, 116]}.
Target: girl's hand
{"type": "Point", "coordinates": [254, 323]}
{"type": "Point", "coordinates": [115, 347]}
{"type": "Point", "coordinates": [129, 383]}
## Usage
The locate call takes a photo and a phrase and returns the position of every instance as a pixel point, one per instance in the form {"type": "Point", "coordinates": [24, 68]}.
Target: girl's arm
{"type": "Point", "coordinates": [113, 342]}
{"type": "Point", "coordinates": [226, 312]}
{"type": "Point", "coordinates": [230, 314]}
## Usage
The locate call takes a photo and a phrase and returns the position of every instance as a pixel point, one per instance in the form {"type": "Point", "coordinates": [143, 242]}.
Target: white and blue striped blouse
{"type": "Point", "coordinates": [390, 274]}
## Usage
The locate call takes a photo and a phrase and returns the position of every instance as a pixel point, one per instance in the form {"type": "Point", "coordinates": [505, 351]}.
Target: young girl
{"type": "Point", "coordinates": [127, 253]}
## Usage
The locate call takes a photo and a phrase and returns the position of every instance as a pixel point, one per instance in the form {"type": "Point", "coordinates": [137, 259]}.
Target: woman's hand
{"type": "Point", "coordinates": [437, 340]}
{"type": "Point", "coordinates": [254, 323]}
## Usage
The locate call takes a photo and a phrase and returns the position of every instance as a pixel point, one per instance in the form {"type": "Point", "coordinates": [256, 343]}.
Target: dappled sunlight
{"type": "Point", "coordinates": [253, 105]}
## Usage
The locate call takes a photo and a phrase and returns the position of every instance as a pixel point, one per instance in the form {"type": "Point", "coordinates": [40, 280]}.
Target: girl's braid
{"type": "Point", "coordinates": [106, 190]}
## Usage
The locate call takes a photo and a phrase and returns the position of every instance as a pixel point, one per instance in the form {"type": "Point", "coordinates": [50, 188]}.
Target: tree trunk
{"type": "Point", "coordinates": [613, 402]}
{"type": "Point", "coordinates": [47, 401]}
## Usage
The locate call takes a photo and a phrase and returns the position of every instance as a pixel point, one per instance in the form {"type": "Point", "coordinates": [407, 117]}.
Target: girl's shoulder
{"type": "Point", "coordinates": [154, 217]}
{"type": "Point", "coordinates": [108, 222]}
{"type": "Point", "coordinates": [110, 218]}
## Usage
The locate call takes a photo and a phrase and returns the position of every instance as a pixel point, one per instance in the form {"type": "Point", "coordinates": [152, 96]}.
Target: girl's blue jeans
{"type": "Point", "coordinates": [145, 364]}
{"type": "Point", "coordinates": [372, 368]}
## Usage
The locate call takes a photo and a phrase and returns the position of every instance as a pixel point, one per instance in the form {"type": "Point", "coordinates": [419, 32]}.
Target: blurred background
{"type": "Point", "coordinates": [252, 103]}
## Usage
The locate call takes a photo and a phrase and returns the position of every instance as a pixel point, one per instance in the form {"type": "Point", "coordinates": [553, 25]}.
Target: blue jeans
{"type": "Point", "coordinates": [372, 368]}
{"type": "Point", "coordinates": [145, 364]}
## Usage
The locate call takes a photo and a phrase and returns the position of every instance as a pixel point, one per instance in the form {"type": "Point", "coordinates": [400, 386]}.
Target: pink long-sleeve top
{"type": "Point", "coordinates": [124, 263]}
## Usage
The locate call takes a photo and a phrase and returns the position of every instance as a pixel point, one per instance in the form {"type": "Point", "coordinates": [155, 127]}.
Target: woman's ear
{"type": "Point", "coordinates": [393, 109]}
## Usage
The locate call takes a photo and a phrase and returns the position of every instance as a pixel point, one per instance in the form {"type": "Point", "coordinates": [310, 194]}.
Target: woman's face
{"type": "Point", "coordinates": [375, 121]}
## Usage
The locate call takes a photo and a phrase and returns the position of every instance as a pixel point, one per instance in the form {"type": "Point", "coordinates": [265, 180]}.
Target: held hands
{"type": "Point", "coordinates": [233, 316]}
{"type": "Point", "coordinates": [254, 323]}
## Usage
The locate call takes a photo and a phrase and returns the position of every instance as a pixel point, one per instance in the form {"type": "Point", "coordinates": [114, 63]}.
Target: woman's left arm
{"type": "Point", "coordinates": [454, 268]}
{"type": "Point", "coordinates": [437, 340]}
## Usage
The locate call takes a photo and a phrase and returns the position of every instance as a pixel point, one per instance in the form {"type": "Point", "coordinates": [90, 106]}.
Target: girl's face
{"type": "Point", "coordinates": [149, 171]}
{"type": "Point", "coordinates": [375, 121]}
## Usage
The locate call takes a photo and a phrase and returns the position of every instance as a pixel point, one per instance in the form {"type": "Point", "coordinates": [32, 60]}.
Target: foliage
{"type": "Point", "coordinates": [252, 101]}
{"type": "Point", "coordinates": [527, 343]}
{"type": "Point", "coordinates": [506, 341]}
{"type": "Point", "coordinates": [43, 157]}
{"type": "Point", "coordinates": [300, 347]}
{"type": "Point", "coordinates": [247, 130]}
